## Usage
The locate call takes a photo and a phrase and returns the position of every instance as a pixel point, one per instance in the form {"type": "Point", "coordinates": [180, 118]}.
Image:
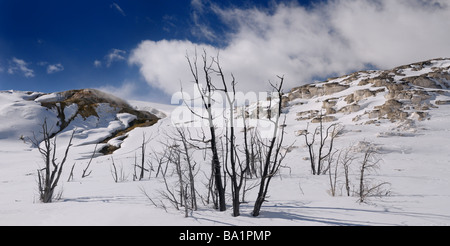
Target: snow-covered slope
{"type": "Point", "coordinates": [403, 112]}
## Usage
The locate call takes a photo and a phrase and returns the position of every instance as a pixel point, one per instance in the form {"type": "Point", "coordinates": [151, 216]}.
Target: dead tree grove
{"type": "Point", "coordinates": [237, 161]}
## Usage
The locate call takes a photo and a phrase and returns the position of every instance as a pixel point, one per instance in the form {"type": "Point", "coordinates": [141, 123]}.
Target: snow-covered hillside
{"type": "Point", "coordinates": [404, 113]}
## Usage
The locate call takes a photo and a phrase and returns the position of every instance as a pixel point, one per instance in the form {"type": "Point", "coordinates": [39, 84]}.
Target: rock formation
{"type": "Point", "coordinates": [407, 92]}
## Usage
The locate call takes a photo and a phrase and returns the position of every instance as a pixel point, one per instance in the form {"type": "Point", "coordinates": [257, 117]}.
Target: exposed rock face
{"type": "Point", "coordinates": [309, 91]}
{"type": "Point", "coordinates": [407, 92]}
{"type": "Point", "coordinates": [87, 100]}
{"type": "Point", "coordinates": [88, 103]}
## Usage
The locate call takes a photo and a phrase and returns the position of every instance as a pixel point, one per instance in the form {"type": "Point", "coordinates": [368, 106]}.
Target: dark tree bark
{"type": "Point", "coordinates": [272, 156]}
{"type": "Point", "coordinates": [206, 96]}
{"type": "Point", "coordinates": [48, 177]}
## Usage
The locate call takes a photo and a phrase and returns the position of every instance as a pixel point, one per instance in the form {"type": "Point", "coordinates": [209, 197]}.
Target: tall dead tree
{"type": "Point", "coordinates": [141, 176]}
{"type": "Point", "coordinates": [237, 167]}
{"type": "Point", "coordinates": [272, 154]}
{"type": "Point", "coordinates": [206, 94]}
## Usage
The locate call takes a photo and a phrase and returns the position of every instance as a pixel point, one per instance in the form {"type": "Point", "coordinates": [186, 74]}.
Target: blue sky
{"type": "Point", "coordinates": [76, 34]}
{"type": "Point", "coordinates": [137, 48]}
{"type": "Point", "coordinates": [54, 45]}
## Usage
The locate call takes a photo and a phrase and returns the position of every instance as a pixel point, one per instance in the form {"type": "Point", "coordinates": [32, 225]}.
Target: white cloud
{"type": "Point", "coordinates": [118, 8]}
{"type": "Point", "coordinates": [18, 65]}
{"type": "Point", "coordinates": [163, 64]}
{"type": "Point", "coordinates": [97, 63]}
{"type": "Point", "coordinates": [393, 32]}
{"type": "Point", "coordinates": [327, 39]}
{"type": "Point", "coordinates": [200, 26]}
{"type": "Point", "coordinates": [126, 90]}
{"type": "Point", "coordinates": [54, 68]}
{"type": "Point", "coordinates": [197, 5]}
{"type": "Point", "coordinates": [200, 29]}
{"type": "Point", "coordinates": [113, 56]}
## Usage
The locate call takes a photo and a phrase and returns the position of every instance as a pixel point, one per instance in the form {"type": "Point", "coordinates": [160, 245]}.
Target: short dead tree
{"type": "Point", "coordinates": [319, 152]}
{"type": "Point", "coordinates": [180, 189]}
{"type": "Point", "coordinates": [367, 188]}
{"type": "Point", "coordinates": [48, 176]}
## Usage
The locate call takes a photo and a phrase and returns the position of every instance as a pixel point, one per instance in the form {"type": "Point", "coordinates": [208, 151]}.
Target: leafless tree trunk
{"type": "Point", "coordinates": [370, 164]}
{"type": "Point", "coordinates": [190, 166]}
{"type": "Point", "coordinates": [85, 174]}
{"type": "Point", "coordinates": [237, 168]}
{"type": "Point", "coordinates": [206, 96]}
{"type": "Point", "coordinates": [183, 193]}
{"type": "Point", "coordinates": [114, 172]}
{"type": "Point", "coordinates": [346, 161]}
{"type": "Point", "coordinates": [141, 176]}
{"type": "Point", "coordinates": [333, 174]}
{"type": "Point", "coordinates": [48, 177]}
{"type": "Point", "coordinates": [272, 155]}
{"type": "Point", "coordinates": [312, 156]}
{"type": "Point", "coordinates": [118, 175]}
{"type": "Point", "coordinates": [325, 148]}
{"type": "Point", "coordinates": [71, 173]}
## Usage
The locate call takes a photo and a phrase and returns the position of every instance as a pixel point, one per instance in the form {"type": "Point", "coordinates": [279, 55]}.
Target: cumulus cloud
{"type": "Point", "coordinates": [330, 38]}
{"type": "Point", "coordinates": [163, 64]}
{"type": "Point", "coordinates": [20, 66]}
{"type": "Point", "coordinates": [54, 68]}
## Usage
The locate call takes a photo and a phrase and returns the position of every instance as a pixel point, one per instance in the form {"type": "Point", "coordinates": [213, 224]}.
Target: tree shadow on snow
{"type": "Point", "coordinates": [337, 216]}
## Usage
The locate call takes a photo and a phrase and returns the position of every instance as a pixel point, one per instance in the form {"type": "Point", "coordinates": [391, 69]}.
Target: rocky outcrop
{"type": "Point", "coordinates": [315, 90]}
{"type": "Point", "coordinates": [409, 92]}
{"type": "Point", "coordinates": [87, 103]}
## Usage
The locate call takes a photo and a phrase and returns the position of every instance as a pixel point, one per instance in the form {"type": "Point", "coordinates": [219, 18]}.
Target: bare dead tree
{"type": "Point", "coordinates": [114, 172]}
{"type": "Point", "coordinates": [234, 166]}
{"type": "Point", "coordinates": [70, 178]}
{"type": "Point", "coordinates": [141, 166]}
{"type": "Point", "coordinates": [263, 156]}
{"type": "Point", "coordinates": [118, 175]}
{"type": "Point", "coordinates": [85, 174]}
{"type": "Point", "coordinates": [366, 187]}
{"type": "Point", "coordinates": [326, 137]}
{"type": "Point", "coordinates": [48, 176]}
{"type": "Point", "coordinates": [272, 154]}
{"type": "Point", "coordinates": [168, 194]}
{"type": "Point", "coordinates": [333, 172]}
{"type": "Point", "coordinates": [346, 158]}
{"type": "Point", "coordinates": [146, 194]}
{"type": "Point", "coordinates": [141, 176]}
{"type": "Point", "coordinates": [190, 166]}
{"type": "Point", "coordinates": [182, 193]}
{"type": "Point", "coordinates": [160, 159]}
{"type": "Point", "coordinates": [207, 100]}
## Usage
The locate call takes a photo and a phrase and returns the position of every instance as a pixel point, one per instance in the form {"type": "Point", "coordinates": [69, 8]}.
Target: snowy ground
{"type": "Point", "coordinates": [416, 164]}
